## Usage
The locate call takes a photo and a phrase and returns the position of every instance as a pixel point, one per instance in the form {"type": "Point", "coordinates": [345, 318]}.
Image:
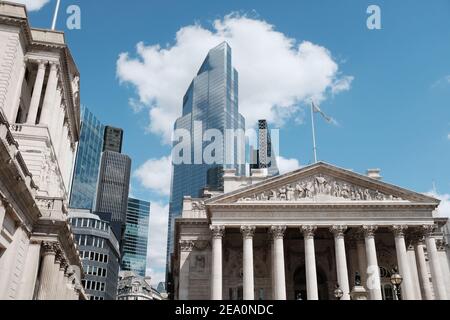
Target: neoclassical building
{"type": "Point", "coordinates": [299, 235]}
{"type": "Point", "coordinates": [39, 130]}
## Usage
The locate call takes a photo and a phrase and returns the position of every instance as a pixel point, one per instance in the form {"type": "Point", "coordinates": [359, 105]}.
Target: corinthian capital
{"type": "Point", "coordinates": [338, 231]}
{"type": "Point", "coordinates": [248, 231]}
{"type": "Point", "coordinates": [399, 231]}
{"type": "Point", "coordinates": [369, 231]}
{"type": "Point", "coordinates": [217, 231]}
{"type": "Point", "coordinates": [428, 230]}
{"type": "Point", "coordinates": [49, 248]}
{"type": "Point", "coordinates": [278, 232]}
{"type": "Point", "coordinates": [308, 231]}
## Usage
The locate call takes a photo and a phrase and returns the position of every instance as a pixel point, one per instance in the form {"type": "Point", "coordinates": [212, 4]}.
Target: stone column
{"type": "Point", "coordinates": [435, 264]}
{"type": "Point", "coordinates": [12, 115]}
{"type": "Point", "coordinates": [437, 274]}
{"type": "Point", "coordinates": [186, 248]}
{"type": "Point", "coordinates": [48, 106]}
{"type": "Point", "coordinates": [53, 127]}
{"type": "Point", "coordinates": [440, 244]}
{"type": "Point", "coordinates": [310, 262]}
{"type": "Point", "coordinates": [362, 259]}
{"type": "Point", "coordinates": [70, 273]}
{"type": "Point", "coordinates": [403, 262]}
{"type": "Point", "coordinates": [30, 271]}
{"type": "Point", "coordinates": [414, 272]}
{"type": "Point", "coordinates": [341, 260]}
{"type": "Point", "coordinates": [60, 292]}
{"type": "Point", "coordinates": [47, 273]}
{"type": "Point", "coordinates": [423, 271]}
{"type": "Point", "coordinates": [278, 257]}
{"type": "Point", "coordinates": [59, 128]}
{"type": "Point", "coordinates": [272, 266]}
{"type": "Point", "coordinates": [37, 91]}
{"type": "Point", "coordinates": [216, 277]}
{"type": "Point", "coordinates": [249, 282]}
{"type": "Point", "coordinates": [373, 270]}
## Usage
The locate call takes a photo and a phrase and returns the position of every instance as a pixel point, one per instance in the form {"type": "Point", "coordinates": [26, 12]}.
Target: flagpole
{"type": "Point", "coordinates": [313, 132]}
{"type": "Point", "coordinates": [55, 16]}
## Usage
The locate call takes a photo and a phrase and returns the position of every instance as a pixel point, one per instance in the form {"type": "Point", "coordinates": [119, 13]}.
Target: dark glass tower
{"type": "Point", "coordinates": [113, 139]}
{"type": "Point", "coordinates": [212, 102]}
{"type": "Point", "coordinates": [264, 157]}
{"type": "Point", "coordinates": [134, 253]}
{"type": "Point", "coordinates": [87, 162]}
{"type": "Point", "coordinates": [113, 186]}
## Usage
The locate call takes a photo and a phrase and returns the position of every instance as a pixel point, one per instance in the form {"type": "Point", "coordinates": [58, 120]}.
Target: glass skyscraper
{"type": "Point", "coordinates": [211, 102]}
{"type": "Point", "coordinates": [136, 236]}
{"type": "Point", "coordinates": [87, 162]}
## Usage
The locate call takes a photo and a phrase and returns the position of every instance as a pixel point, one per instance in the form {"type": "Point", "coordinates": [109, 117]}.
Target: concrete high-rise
{"type": "Point", "coordinates": [211, 102]}
{"type": "Point", "coordinates": [100, 254]}
{"type": "Point", "coordinates": [134, 253]}
{"type": "Point", "coordinates": [87, 162]}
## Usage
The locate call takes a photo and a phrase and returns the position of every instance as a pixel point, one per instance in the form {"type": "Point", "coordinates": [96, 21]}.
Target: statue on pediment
{"type": "Point", "coordinates": [283, 194]}
{"type": "Point", "coordinates": [290, 194]}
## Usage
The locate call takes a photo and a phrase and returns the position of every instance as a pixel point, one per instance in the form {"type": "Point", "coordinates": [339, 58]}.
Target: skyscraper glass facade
{"type": "Point", "coordinates": [113, 188]}
{"type": "Point", "coordinates": [211, 102]}
{"type": "Point", "coordinates": [136, 236]}
{"type": "Point", "coordinates": [87, 162]}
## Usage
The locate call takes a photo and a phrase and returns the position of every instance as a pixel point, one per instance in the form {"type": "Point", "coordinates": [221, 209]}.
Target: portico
{"type": "Point", "coordinates": [299, 235]}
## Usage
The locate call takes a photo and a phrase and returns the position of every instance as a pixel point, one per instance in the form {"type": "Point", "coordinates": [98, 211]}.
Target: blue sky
{"type": "Point", "coordinates": [393, 114]}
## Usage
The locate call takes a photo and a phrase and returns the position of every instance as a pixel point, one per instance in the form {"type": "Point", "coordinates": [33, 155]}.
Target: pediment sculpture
{"type": "Point", "coordinates": [319, 187]}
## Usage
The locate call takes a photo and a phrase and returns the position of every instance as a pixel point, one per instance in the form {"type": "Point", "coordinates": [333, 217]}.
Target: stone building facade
{"type": "Point", "coordinates": [301, 234]}
{"type": "Point", "coordinates": [135, 287]}
{"type": "Point", "coordinates": [39, 131]}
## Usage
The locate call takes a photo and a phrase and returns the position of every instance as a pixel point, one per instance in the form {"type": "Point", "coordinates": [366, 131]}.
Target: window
{"type": "Point", "coordinates": [102, 287]}
{"type": "Point", "coordinates": [106, 259]}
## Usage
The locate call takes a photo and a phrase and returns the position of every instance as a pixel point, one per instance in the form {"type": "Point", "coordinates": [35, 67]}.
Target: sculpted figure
{"type": "Point", "coordinates": [321, 183]}
{"type": "Point", "coordinates": [301, 190]}
{"type": "Point", "coordinates": [273, 196]}
{"type": "Point", "coordinates": [309, 190]}
{"type": "Point", "coordinates": [367, 195]}
{"type": "Point", "coordinates": [345, 192]}
{"type": "Point", "coordinates": [283, 194]}
{"type": "Point", "coordinates": [290, 193]}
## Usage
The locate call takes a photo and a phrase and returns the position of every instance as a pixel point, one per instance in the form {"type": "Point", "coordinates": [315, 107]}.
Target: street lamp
{"type": "Point", "coordinates": [396, 280]}
{"type": "Point", "coordinates": [338, 293]}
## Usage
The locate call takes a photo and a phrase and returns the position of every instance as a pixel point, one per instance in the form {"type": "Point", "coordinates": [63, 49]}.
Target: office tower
{"type": "Point", "coordinates": [87, 162]}
{"type": "Point", "coordinates": [39, 129]}
{"type": "Point", "coordinates": [211, 102]}
{"type": "Point", "coordinates": [134, 253]}
{"type": "Point", "coordinates": [100, 254]}
{"type": "Point", "coordinates": [264, 157]}
{"type": "Point", "coordinates": [113, 138]}
{"type": "Point", "coordinates": [112, 189]}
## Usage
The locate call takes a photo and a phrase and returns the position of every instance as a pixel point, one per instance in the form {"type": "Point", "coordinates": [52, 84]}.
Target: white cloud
{"type": "Point", "coordinates": [33, 5]}
{"type": "Point", "coordinates": [155, 175]}
{"type": "Point", "coordinates": [157, 242]}
{"type": "Point", "coordinates": [442, 82]}
{"type": "Point", "coordinates": [444, 208]}
{"type": "Point", "coordinates": [342, 84]}
{"type": "Point", "coordinates": [287, 165]}
{"type": "Point", "coordinates": [276, 73]}
{"type": "Point", "coordinates": [448, 137]}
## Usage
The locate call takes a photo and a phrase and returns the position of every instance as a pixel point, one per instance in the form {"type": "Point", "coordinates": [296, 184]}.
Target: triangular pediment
{"type": "Point", "coordinates": [322, 183]}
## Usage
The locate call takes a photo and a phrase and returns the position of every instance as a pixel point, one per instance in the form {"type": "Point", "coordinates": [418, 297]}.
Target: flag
{"type": "Point", "coordinates": [327, 118]}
